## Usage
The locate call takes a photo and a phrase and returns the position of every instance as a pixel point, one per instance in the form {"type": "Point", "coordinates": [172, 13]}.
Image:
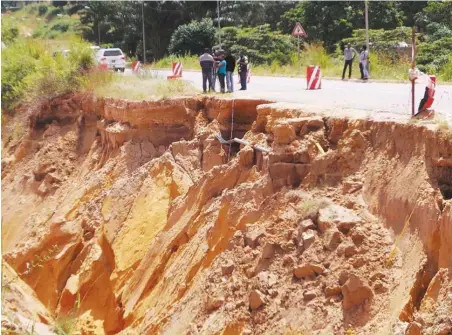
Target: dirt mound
{"type": "Point", "coordinates": [132, 218]}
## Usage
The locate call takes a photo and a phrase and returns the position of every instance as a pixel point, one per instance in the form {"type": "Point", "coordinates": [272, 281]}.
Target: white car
{"type": "Point", "coordinates": [114, 58]}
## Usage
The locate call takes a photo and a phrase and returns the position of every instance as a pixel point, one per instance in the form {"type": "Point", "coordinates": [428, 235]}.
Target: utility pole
{"type": "Point", "coordinates": [413, 65]}
{"type": "Point", "coordinates": [144, 40]}
{"type": "Point", "coordinates": [218, 19]}
{"type": "Point", "coordinates": [366, 18]}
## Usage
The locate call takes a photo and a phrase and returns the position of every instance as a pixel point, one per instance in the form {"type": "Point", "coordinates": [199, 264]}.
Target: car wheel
{"type": "Point", "coordinates": [122, 70]}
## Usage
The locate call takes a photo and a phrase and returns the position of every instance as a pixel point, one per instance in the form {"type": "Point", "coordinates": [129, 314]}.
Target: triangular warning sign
{"type": "Point", "coordinates": [298, 30]}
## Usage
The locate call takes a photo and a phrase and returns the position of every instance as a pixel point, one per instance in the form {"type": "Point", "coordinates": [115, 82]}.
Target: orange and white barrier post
{"type": "Point", "coordinates": [430, 89]}
{"type": "Point", "coordinates": [136, 66]}
{"type": "Point", "coordinates": [431, 84]}
{"type": "Point", "coordinates": [177, 70]}
{"type": "Point", "coordinates": [103, 66]}
{"type": "Point", "coordinates": [313, 77]}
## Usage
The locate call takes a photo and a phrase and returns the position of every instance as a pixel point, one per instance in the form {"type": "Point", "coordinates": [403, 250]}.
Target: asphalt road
{"type": "Point", "coordinates": [374, 97]}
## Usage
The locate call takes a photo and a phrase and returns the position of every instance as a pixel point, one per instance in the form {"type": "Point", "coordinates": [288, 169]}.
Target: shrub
{"type": "Point", "coordinates": [432, 56]}
{"type": "Point", "coordinates": [31, 8]}
{"type": "Point", "coordinates": [9, 31]}
{"type": "Point", "coordinates": [42, 9]}
{"type": "Point", "coordinates": [61, 26]}
{"type": "Point", "coordinates": [192, 38]}
{"type": "Point", "coordinates": [54, 12]}
{"type": "Point", "coordinates": [18, 61]}
{"type": "Point", "coordinates": [40, 32]}
{"type": "Point", "coordinates": [29, 73]}
{"type": "Point", "coordinates": [446, 71]}
{"type": "Point", "coordinates": [74, 8]}
{"type": "Point", "coordinates": [51, 35]}
{"type": "Point", "coordinates": [81, 56]}
{"type": "Point", "coordinates": [380, 39]}
{"type": "Point", "coordinates": [52, 77]}
{"type": "Point", "coordinates": [59, 3]}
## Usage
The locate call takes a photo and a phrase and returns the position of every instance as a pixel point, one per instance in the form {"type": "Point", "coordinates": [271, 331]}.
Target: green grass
{"type": "Point", "coordinates": [188, 62]}
{"type": "Point", "coordinates": [65, 325]}
{"type": "Point", "coordinates": [57, 30]}
{"type": "Point", "coordinates": [382, 67]}
{"type": "Point", "coordinates": [30, 73]}
{"type": "Point", "coordinates": [446, 71]}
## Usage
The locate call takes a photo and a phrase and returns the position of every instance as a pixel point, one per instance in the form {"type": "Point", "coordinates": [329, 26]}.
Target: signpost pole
{"type": "Point", "coordinates": [413, 65]}
{"type": "Point", "coordinates": [298, 31]}
{"type": "Point", "coordinates": [144, 39]}
{"type": "Point", "coordinates": [298, 49]}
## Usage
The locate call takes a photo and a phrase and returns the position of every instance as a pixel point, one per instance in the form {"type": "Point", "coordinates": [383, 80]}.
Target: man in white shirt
{"type": "Point", "coordinates": [364, 63]}
{"type": "Point", "coordinates": [349, 55]}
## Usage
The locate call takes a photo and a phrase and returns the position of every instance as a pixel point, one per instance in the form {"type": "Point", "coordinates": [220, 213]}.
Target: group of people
{"type": "Point", "coordinates": [222, 65]}
{"type": "Point", "coordinates": [349, 55]}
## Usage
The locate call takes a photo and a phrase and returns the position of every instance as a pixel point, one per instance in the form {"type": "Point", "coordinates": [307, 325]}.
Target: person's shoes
{"type": "Point", "coordinates": [242, 89]}
{"type": "Point", "coordinates": [204, 92]}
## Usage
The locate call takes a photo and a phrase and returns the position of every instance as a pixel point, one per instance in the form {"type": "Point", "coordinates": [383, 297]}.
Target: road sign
{"type": "Point", "coordinates": [298, 30]}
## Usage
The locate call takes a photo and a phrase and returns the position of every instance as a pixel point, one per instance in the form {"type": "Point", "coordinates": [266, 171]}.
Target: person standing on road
{"type": "Point", "coordinates": [349, 55]}
{"type": "Point", "coordinates": [221, 65]}
{"type": "Point", "coordinates": [243, 69]}
{"type": "Point", "coordinates": [361, 69]}
{"type": "Point", "coordinates": [206, 61]}
{"type": "Point", "coordinates": [364, 63]}
{"type": "Point", "coordinates": [216, 58]}
{"type": "Point", "coordinates": [230, 67]}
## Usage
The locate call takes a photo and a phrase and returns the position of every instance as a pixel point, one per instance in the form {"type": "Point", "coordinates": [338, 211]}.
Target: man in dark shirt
{"type": "Point", "coordinates": [230, 67]}
{"type": "Point", "coordinates": [206, 61]}
{"type": "Point", "coordinates": [243, 69]}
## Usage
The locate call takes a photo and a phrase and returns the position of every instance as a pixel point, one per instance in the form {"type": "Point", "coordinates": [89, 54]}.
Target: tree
{"type": "Point", "coordinates": [260, 44]}
{"type": "Point", "coordinates": [252, 13]}
{"type": "Point", "coordinates": [59, 3]}
{"type": "Point", "coordinates": [384, 15]}
{"type": "Point", "coordinates": [192, 38]}
{"type": "Point", "coordinates": [98, 17]}
{"type": "Point", "coordinates": [325, 21]}
{"type": "Point", "coordinates": [332, 21]}
{"type": "Point", "coordinates": [435, 19]}
{"type": "Point", "coordinates": [409, 9]}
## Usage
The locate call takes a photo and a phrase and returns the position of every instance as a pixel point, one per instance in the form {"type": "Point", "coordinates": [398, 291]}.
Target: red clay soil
{"type": "Point", "coordinates": [123, 217]}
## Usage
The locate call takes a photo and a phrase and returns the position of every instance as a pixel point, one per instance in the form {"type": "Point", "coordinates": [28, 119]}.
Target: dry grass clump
{"type": "Point", "coordinates": [145, 87]}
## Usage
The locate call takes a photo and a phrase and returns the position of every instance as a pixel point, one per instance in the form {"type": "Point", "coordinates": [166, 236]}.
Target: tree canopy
{"type": "Point", "coordinates": [259, 28]}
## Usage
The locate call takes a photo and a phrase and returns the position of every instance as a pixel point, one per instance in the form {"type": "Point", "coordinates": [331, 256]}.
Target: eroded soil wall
{"type": "Point", "coordinates": [132, 215]}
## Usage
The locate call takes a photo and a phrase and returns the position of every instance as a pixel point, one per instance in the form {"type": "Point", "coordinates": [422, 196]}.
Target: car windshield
{"type": "Point", "coordinates": [112, 53]}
